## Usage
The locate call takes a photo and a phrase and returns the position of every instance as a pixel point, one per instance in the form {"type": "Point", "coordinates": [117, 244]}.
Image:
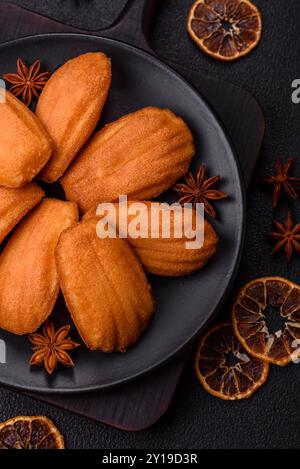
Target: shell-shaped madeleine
{"type": "Point", "coordinates": [165, 242]}
{"type": "Point", "coordinates": [104, 286]}
{"type": "Point", "coordinates": [70, 106]}
{"type": "Point", "coordinates": [29, 280]}
{"type": "Point", "coordinates": [139, 155]}
{"type": "Point", "coordinates": [15, 204]}
{"type": "Point", "coordinates": [25, 146]}
{"type": "Point", "coordinates": [171, 257]}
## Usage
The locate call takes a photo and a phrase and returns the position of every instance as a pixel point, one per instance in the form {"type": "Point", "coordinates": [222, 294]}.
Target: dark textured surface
{"type": "Point", "coordinates": [270, 418]}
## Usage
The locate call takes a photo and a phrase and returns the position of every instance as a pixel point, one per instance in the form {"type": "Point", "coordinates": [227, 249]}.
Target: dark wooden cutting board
{"type": "Point", "coordinates": [138, 404]}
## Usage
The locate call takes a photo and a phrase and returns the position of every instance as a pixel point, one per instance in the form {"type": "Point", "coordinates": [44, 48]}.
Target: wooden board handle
{"type": "Point", "coordinates": [134, 24]}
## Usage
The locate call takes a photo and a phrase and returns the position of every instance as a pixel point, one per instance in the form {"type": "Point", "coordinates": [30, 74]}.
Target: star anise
{"type": "Point", "coordinates": [199, 189]}
{"type": "Point", "coordinates": [287, 235]}
{"type": "Point", "coordinates": [282, 181]}
{"type": "Point", "coordinates": [27, 82]}
{"type": "Point", "coordinates": [52, 347]}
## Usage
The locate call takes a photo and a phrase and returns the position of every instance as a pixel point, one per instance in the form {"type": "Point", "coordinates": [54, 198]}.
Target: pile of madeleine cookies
{"type": "Point", "coordinates": [140, 155]}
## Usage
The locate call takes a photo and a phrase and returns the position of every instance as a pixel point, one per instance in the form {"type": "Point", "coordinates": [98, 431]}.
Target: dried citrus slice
{"type": "Point", "coordinates": [30, 433]}
{"type": "Point", "coordinates": [225, 29]}
{"type": "Point", "coordinates": [266, 319]}
{"type": "Point", "coordinates": [224, 368]}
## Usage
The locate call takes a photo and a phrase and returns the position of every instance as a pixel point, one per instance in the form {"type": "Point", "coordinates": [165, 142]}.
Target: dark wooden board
{"type": "Point", "coordinates": [139, 404]}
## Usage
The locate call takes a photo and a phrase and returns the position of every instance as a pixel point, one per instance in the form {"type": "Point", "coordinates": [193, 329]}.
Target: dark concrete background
{"type": "Point", "coordinates": [271, 418]}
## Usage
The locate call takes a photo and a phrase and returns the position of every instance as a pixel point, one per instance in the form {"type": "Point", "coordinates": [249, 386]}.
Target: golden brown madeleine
{"type": "Point", "coordinates": [15, 204]}
{"type": "Point", "coordinates": [104, 286]}
{"type": "Point", "coordinates": [70, 106]}
{"type": "Point", "coordinates": [139, 155]}
{"type": "Point", "coordinates": [167, 256]}
{"type": "Point", "coordinates": [25, 146]}
{"type": "Point", "coordinates": [29, 280]}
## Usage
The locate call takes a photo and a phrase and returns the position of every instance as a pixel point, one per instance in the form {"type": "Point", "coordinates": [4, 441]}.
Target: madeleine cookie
{"type": "Point", "coordinates": [70, 106]}
{"type": "Point", "coordinates": [104, 286]}
{"type": "Point", "coordinates": [168, 255]}
{"type": "Point", "coordinates": [15, 204]}
{"type": "Point", "coordinates": [140, 155]}
{"type": "Point", "coordinates": [25, 146]}
{"type": "Point", "coordinates": [29, 280]}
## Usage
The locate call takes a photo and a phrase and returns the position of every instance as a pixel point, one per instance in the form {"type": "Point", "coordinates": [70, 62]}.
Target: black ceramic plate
{"type": "Point", "coordinates": [184, 305]}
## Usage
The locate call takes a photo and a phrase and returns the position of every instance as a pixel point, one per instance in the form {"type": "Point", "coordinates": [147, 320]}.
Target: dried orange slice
{"type": "Point", "coordinates": [224, 368]}
{"type": "Point", "coordinates": [30, 433]}
{"type": "Point", "coordinates": [266, 319]}
{"type": "Point", "coordinates": [225, 29]}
